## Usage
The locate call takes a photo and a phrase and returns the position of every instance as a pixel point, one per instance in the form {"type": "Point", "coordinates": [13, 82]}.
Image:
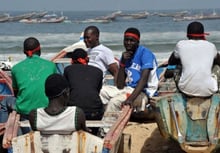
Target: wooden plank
{"type": "Point", "coordinates": [77, 142]}
{"type": "Point", "coordinates": [97, 123]}
{"type": "Point", "coordinates": [125, 144]}
{"type": "Point", "coordinates": [16, 126]}
{"type": "Point", "coordinates": [9, 127]}
{"type": "Point", "coordinates": [116, 130]}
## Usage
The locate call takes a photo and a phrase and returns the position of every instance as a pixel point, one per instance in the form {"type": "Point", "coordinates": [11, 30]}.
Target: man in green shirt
{"type": "Point", "coordinates": [28, 79]}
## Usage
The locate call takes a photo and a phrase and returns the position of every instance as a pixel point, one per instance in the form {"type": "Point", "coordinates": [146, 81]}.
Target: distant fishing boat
{"type": "Point", "coordinates": [39, 14]}
{"type": "Point", "coordinates": [213, 16]}
{"type": "Point", "coordinates": [139, 15]}
{"type": "Point", "coordinates": [102, 19]}
{"type": "Point", "coordinates": [20, 17]}
{"type": "Point", "coordinates": [175, 14]}
{"type": "Point", "coordinates": [96, 20]}
{"type": "Point", "coordinates": [4, 17]}
{"type": "Point", "coordinates": [48, 18]}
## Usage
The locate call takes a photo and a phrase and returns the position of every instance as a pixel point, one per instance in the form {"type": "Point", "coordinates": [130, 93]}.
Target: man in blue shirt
{"type": "Point", "coordinates": [137, 77]}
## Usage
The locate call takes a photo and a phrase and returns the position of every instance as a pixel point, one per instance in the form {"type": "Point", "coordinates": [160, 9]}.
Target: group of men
{"type": "Point", "coordinates": [43, 96]}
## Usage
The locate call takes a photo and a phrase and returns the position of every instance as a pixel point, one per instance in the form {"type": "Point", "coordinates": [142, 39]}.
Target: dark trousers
{"type": "Point", "coordinates": [96, 115]}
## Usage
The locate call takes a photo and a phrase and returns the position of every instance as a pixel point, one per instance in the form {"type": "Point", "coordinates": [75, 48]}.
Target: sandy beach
{"type": "Point", "coordinates": [146, 138]}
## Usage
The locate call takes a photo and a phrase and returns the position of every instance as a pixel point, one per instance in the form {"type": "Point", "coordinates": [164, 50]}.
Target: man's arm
{"type": "Point", "coordinates": [121, 77]}
{"type": "Point", "coordinates": [120, 82]}
{"type": "Point", "coordinates": [140, 86]}
{"type": "Point", "coordinates": [172, 61]}
{"type": "Point", "coordinates": [15, 92]}
{"type": "Point", "coordinates": [81, 120]}
{"type": "Point", "coordinates": [113, 69]}
{"type": "Point", "coordinates": [32, 119]}
{"type": "Point", "coordinates": [217, 60]}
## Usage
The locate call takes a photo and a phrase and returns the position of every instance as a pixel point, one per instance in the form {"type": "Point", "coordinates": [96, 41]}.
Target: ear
{"type": "Point", "coordinates": [71, 61]}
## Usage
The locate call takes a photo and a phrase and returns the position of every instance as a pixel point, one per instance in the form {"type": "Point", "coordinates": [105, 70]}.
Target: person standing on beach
{"type": "Point", "coordinates": [57, 118]}
{"type": "Point", "coordinates": [197, 57]}
{"type": "Point", "coordinates": [85, 85]}
{"type": "Point", "coordinates": [137, 79]}
{"type": "Point", "coordinates": [99, 55]}
{"type": "Point", "coordinates": [28, 78]}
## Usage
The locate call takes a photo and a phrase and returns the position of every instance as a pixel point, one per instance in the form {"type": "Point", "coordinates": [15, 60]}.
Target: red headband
{"type": "Point", "coordinates": [31, 52]}
{"type": "Point", "coordinates": [129, 34]}
{"type": "Point", "coordinates": [83, 61]}
{"type": "Point", "coordinates": [198, 35]}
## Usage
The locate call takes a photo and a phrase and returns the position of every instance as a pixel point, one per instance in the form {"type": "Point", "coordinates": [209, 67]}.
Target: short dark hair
{"type": "Point", "coordinates": [94, 29]}
{"type": "Point", "coordinates": [78, 53]}
{"type": "Point", "coordinates": [195, 28]}
{"type": "Point", "coordinates": [133, 30]}
{"type": "Point", "coordinates": [31, 43]}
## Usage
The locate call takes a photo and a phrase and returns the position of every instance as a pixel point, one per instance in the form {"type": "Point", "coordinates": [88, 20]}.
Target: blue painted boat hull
{"type": "Point", "coordinates": [200, 135]}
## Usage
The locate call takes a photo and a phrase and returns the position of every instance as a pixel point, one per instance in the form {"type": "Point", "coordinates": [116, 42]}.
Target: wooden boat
{"type": "Point", "coordinates": [213, 16]}
{"type": "Point", "coordinates": [43, 17]}
{"type": "Point", "coordinates": [4, 19]}
{"type": "Point", "coordinates": [39, 14]}
{"type": "Point", "coordinates": [193, 122]}
{"type": "Point", "coordinates": [77, 142]}
{"type": "Point", "coordinates": [102, 19]}
{"type": "Point", "coordinates": [5, 91]}
{"type": "Point", "coordinates": [21, 16]}
{"type": "Point", "coordinates": [95, 20]}
{"type": "Point", "coordinates": [44, 20]}
{"type": "Point", "coordinates": [113, 123]}
{"type": "Point", "coordinates": [5, 85]}
{"type": "Point", "coordinates": [138, 15]}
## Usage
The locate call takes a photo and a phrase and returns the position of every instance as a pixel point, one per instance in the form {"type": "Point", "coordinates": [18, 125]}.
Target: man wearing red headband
{"type": "Point", "coordinates": [28, 78]}
{"type": "Point", "coordinates": [85, 84]}
{"type": "Point", "coordinates": [197, 57]}
{"type": "Point", "coordinates": [137, 77]}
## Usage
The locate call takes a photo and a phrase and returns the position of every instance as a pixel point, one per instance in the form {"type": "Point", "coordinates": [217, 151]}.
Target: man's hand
{"type": "Point", "coordinates": [126, 56]}
{"type": "Point", "coordinates": [127, 102]}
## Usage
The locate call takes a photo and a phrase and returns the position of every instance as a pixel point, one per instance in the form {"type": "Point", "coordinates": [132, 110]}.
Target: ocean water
{"type": "Point", "coordinates": [159, 34]}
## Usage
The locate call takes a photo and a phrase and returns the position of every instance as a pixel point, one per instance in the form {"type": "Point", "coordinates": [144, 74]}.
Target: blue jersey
{"type": "Point", "coordinates": [142, 59]}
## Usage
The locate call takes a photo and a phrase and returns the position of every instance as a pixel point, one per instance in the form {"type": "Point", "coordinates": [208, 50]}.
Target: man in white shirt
{"type": "Point", "coordinates": [99, 55]}
{"type": "Point", "coordinates": [197, 57]}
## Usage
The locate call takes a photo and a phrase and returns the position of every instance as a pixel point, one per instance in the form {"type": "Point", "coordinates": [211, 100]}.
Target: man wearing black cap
{"type": "Point", "coordinates": [57, 118]}
{"type": "Point", "coordinates": [85, 85]}
{"type": "Point", "coordinates": [197, 57]}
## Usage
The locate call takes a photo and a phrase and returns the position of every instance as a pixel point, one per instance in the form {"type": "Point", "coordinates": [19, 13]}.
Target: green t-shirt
{"type": "Point", "coordinates": [28, 77]}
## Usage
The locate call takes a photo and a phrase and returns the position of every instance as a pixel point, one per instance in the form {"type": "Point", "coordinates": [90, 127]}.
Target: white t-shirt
{"type": "Point", "coordinates": [197, 58]}
{"type": "Point", "coordinates": [101, 57]}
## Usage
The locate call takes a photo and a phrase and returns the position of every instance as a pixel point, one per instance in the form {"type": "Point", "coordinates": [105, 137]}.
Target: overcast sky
{"type": "Point", "coordinates": [76, 5]}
